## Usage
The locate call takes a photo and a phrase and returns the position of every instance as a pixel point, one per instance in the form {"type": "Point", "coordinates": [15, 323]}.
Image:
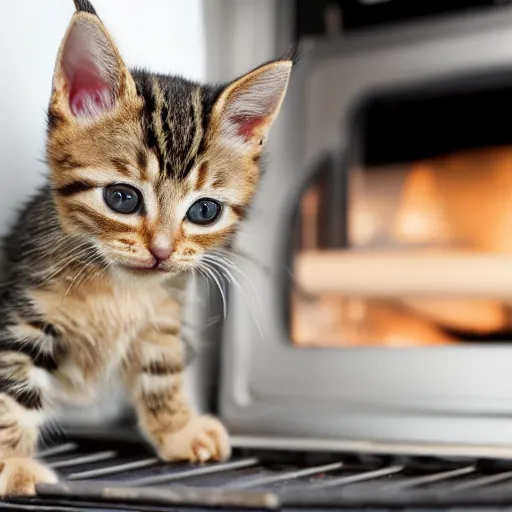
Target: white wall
{"type": "Point", "coordinates": [163, 35]}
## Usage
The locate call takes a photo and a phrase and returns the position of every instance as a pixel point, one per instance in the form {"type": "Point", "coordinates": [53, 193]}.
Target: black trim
{"type": "Point", "coordinates": [449, 88]}
{"type": "Point", "coordinates": [356, 15]}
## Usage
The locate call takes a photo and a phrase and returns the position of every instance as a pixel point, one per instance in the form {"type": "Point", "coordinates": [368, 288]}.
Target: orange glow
{"type": "Point", "coordinates": [456, 202]}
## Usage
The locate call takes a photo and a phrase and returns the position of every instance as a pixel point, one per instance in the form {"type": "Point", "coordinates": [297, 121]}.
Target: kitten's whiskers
{"type": "Point", "coordinates": [209, 272]}
{"type": "Point", "coordinates": [225, 266]}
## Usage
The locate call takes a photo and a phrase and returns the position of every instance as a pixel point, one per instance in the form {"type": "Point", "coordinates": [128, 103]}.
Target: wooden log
{"type": "Point", "coordinates": [405, 274]}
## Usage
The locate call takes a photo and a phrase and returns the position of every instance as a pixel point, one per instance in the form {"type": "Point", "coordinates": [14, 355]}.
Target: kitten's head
{"type": "Point", "coordinates": [156, 170]}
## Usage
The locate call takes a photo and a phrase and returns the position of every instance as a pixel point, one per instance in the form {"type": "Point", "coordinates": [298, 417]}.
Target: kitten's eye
{"type": "Point", "coordinates": [122, 198]}
{"type": "Point", "coordinates": [204, 211]}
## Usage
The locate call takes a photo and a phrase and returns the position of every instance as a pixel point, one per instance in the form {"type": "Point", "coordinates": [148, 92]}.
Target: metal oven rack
{"type": "Point", "coordinates": [109, 474]}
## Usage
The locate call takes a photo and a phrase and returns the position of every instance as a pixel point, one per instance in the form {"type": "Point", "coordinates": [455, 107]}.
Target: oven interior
{"type": "Point", "coordinates": [428, 174]}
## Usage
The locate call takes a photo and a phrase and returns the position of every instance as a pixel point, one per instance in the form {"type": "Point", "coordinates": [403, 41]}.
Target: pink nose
{"type": "Point", "coordinates": [160, 252]}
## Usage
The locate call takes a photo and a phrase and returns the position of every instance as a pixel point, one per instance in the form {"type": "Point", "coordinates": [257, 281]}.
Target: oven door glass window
{"type": "Point", "coordinates": [426, 249]}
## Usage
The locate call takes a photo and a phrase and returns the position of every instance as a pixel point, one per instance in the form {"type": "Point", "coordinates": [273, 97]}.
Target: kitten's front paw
{"type": "Point", "coordinates": [202, 439]}
{"type": "Point", "coordinates": [19, 476]}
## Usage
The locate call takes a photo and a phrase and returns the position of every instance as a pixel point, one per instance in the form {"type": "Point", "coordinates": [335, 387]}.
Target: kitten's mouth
{"type": "Point", "coordinates": [148, 269]}
{"type": "Point", "coordinates": [156, 267]}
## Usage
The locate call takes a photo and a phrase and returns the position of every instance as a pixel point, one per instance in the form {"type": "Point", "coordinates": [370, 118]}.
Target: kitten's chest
{"type": "Point", "coordinates": [96, 326]}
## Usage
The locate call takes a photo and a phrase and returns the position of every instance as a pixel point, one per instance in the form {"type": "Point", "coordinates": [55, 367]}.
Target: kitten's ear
{"type": "Point", "coordinates": [247, 108]}
{"type": "Point", "coordinates": [89, 74]}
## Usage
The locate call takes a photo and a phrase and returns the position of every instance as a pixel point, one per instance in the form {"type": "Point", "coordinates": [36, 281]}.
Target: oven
{"type": "Point", "coordinates": [380, 246]}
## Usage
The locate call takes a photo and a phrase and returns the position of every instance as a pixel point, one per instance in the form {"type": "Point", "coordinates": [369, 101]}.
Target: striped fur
{"type": "Point", "coordinates": [74, 310]}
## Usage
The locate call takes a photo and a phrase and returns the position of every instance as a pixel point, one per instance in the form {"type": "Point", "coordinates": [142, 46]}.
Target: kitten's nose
{"type": "Point", "coordinates": [160, 252]}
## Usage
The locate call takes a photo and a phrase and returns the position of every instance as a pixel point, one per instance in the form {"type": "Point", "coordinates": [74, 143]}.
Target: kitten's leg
{"type": "Point", "coordinates": [21, 409]}
{"type": "Point", "coordinates": [154, 376]}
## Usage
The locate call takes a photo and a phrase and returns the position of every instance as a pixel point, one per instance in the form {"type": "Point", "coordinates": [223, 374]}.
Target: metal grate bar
{"type": "Point", "coordinates": [433, 478]}
{"type": "Point", "coordinates": [83, 459]}
{"type": "Point", "coordinates": [483, 481]}
{"type": "Point", "coordinates": [125, 498]}
{"type": "Point", "coordinates": [286, 475]}
{"type": "Point", "coordinates": [37, 507]}
{"type": "Point", "coordinates": [201, 470]}
{"type": "Point", "coordinates": [56, 450]}
{"type": "Point", "coordinates": [112, 470]}
{"type": "Point", "coordinates": [360, 477]}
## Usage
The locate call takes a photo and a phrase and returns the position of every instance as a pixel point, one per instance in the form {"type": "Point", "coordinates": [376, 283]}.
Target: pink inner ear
{"type": "Point", "coordinates": [247, 125]}
{"type": "Point", "coordinates": [89, 95]}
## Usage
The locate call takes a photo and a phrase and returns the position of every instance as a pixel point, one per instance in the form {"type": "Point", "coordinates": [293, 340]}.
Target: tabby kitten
{"type": "Point", "coordinates": [148, 172]}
